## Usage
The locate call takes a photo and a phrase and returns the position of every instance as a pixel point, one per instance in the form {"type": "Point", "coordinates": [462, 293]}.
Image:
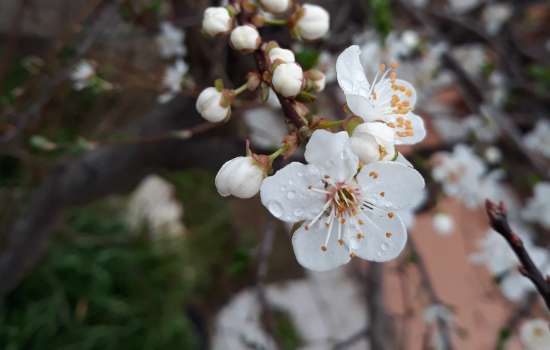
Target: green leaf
{"type": "Point", "coordinates": [40, 142]}
{"type": "Point", "coordinates": [307, 58]}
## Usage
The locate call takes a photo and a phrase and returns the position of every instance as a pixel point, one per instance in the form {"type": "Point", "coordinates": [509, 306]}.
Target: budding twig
{"type": "Point", "coordinates": [497, 219]}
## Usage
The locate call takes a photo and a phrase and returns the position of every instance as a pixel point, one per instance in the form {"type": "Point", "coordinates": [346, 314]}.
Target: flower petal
{"type": "Point", "coordinates": [286, 194]}
{"type": "Point", "coordinates": [390, 185]}
{"type": "Point", "coordinates": [515, 285]}
{"type": "Point", "coordinates": [360, 105]}
{"type": "Point", "coordinates": [307, 247]}
{"type": "Point", "coordinates": [401, 159]}
{"type": "Point", "coordinates": [332, 155]}
{"type": "Point", "coordinates": [350, 73]}
{"type": "Point", "coordinates": [403, 94]}
{"type": "Point", "coordinates": [416, 126]}
{"type": "Point", "coordinates": [384, 239]}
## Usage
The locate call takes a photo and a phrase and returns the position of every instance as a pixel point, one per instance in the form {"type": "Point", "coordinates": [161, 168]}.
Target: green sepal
{"type": "Point", "coordinates": [205, 34]}
{"type": "Point", "coordinates": [40, 142]}
{"type": "Point", "coordinates": [265, 91]}
{"type": "Point", "coordinates": [276, 64]}
{"type": "Point", "coordinates": [305, 97]}
{"type": "Point", "coordinates": [296, 226]}
{"type": "Point", "coordinates": [218, 84]}
{"type": "Point", "coordinates": [231, 9]}
{"type": "Point", "coordinates": [295, 33]}
{"type": "Point", "coordinates": [352, 123]}
{"type": "Point", "coordinates": [270, 45]}
{"type": "Point", "coordinates": [346, 109]}
{"type": "Point", "coordinates": [228, 116]}
{"type": "Point", "coordinates": [396, 155]}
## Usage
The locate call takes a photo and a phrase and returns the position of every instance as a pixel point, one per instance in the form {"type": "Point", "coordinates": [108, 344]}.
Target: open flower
{"type": "Point", "coordinates": [372, 142]}
{"type": "Point", "coordinates": [172, 80]}
{"type": "Point", "coordinates": [538, 207]}
{"type": "Point", "coordinates": [345, 213]}
{"type": "Point", "coordinates": [535, 335]}
{"type": "Point", "coordinates": [83, 75]}
{"type": "Point", "coordinates": [388, 99]}
{"type": "Point", "coordinates": [170, 41]}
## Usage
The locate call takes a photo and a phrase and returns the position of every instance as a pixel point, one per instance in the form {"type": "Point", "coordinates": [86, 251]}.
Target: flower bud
{"type": "Point", "coordinates": [241, 177]}
{"type": "Point", "coordinates": [275, 6]}
{"type": "Point", "coordinates": [245, 38]}
{"type": "Point", "coordinates": [288, 79]}
{"type": "Point", "coordinates": [315, 80]}
{"type": "Point", "coordinates": [372, 142]}
{"type": "Point", "coordinates": [313, 23]}
{"type": "Point", "coordinates": [282, 55]}
{"type": "Point", "coordinates": [217, 21]}
{"type": "Point", "coordinates": [213, 105]}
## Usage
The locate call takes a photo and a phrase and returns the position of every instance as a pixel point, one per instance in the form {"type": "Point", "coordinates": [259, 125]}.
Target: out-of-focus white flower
{"type": "Point", "coordinates": [313, 22]}
{"type": "Point", "coordinates": [499, 84]}
{"type": "Point", "coordinates": [83, 75]}
{"type": "Point", "coordinates": [460, 173]}
{"type": "Point", "coordinates": [501, 260]}
{"type": "Point", "coordinates": [493, 155]}
{"type": "Point", "coordinates": [410, 39]}
{"type": "Point", "coordinates": [288, 79]}
{"type": "Point", "coordinates": [245, 39]}
{"type": "Point", "coordinates": [483, 127]}
{"type": "Point", "coordinates": [154, 203]}
{"type": "Point", "coordinates": [275, 6]}
{"type": "Point", "coordinates": [211, 105]}
{"type": "Point", "coordinates": [461, 6]}
{"type": "Point", "coordinates": [389, 99]}
{"type": "Point", "coordinates": [217, 21]}
{"type": "Point", "coordinates": [240, 177]}
{"type": "Point", "coordinates": [172, 80]}
{"type": "Point", "coordinates": [538, 207]}
{"type": "Point", "coordinates": [339, 207]}
{"type": "Point", "coordinates": [170, 41]}
{"type": "Point", "coordinates": [538, 139]}
{"type": "Point", "coordinates": [471, 57]}
{"type": "Point", "coordinates": [266, 128]}
{"type": "Point", "coordinates": [443, 223]}
{"type": "Point", "coordinates": [535, 334]}
{"type": "Point", "coordinates": [372, 142]}
{"type": "Point", "coordinates": [434, 314]}
{"type": "Point", "coordinates": [408, 215]}
{"type": "Point", "coordinates": [327, 64]}
{"type": "Point", "coordinates": [495, 15]}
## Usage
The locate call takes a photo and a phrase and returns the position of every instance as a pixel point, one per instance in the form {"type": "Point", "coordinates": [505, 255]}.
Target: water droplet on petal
{"type": "Point", "coordinates": [330, 162]}
{"type": "Point", "coordinates": [379, 254]}
{"type": "Point", "coordinates": [290, 182]}
{"type": "Point", "coordinates": [360, 75]}
{"type": "Point", "coordinates": [298, 211]}
{"type": "Point", "coordinates": [373, 201]}
{"type": "Point", "coordinates": [283, 189]}
{"type": "Point", "coordinates": [300, 174]}
{"type": "Point", "coordinates": [388, 204]}
{"type": "Point", "coordinates": [275, 208]}
{"type": "Point", "coordinates": [385, 246]}
{"type": "Point", "coordinates": [346, 84]}
{"type": "Point", "coordinates": [344, 155]}
{"type": "Point", "coordinates": [363, 92]}
{"type": "Point", "coordinates": [291, 194]}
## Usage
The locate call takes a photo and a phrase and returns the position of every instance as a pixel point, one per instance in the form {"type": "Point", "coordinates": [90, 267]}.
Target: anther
{"type": "Point", "coordinates": [309, 187]}
{"type": "Point", "coordinates": [340, 241]}
{"type": "Point", "coordinates": [388, 235]}
{"type": "Point", "coordinates": [359, 236]}
{"type": "Point", "coordinates": [406, 103]}
{"type": "Point", "coordinates": [374, 95]}
{"type": "Point", "coordinates": [307, 228]}
{"type": "Point", "coordinates": [352, 255]}
{"type": "Point", "coordinates": [360, 222]}
{"type": "Point", "coordinates": [394, 65]}
{"type": "Point", "coordinates": [343, 221]}
{"type": "Point", "coordinates": [327, 177]}
{"type": "Point", "coordinates": [324, 248]}
{"type": "Point", "coordinates": [391, 125]}
{"type": "Point", "coordinates": [390, 215]}
{"type": "Point", "coordinates": [383, 67]}
{"type": "Point", "coordinates": [402, 89]}
{"type": "Point", "coordinates": [408, 93]}
{"type": "Point", "coordinates": [327, 225]}
{"type": "Point", "coordinates": [382, 194]}
{"type": "Point", "coordinates": [374, 174]}
{"type": "Point", "coordinates": [360, 165]}
{"type": "Point", "coordinates": [392, 75]}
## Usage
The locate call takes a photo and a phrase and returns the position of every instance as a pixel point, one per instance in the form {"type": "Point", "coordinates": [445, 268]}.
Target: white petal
{"type": "Point", "coordinates": [400, 184]}
{"type": "Point", "coordinates": [361, 106]}
{"type": "Point", "coordinates": [515, 285]}
{"type": "Point", "coordinates": [350, 73]}
{"type": "Point", "coordinates": [307, 247]}
{"type": "Point", "coordinates": [377, 246]}
{"type": "Point", "coordinates": [417, 125]}
{"type": "Point", "coordinates": [403, 94]}
{"type": "Point", "coordinates": [286, 194]}
{"type": "Point", "coordinates": [401, 159]}
{"type": "Point", "coordinates": [332, 155]}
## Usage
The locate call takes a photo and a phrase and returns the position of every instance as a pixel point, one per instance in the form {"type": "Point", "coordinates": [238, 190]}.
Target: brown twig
{"type": "Point", "coordinates": [499, 222]}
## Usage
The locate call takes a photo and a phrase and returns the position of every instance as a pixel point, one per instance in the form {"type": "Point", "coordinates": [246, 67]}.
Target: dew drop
{"type": "Point", "coordinates": [346, 84]}
{"type": "Point", "coordinates": [290, 182]}
{"type": "Point", "coordinates": [379, 254]}
{"type": "Point", "coordinates": [385, 246]}
{"type": "Point", "coordinates": [388, 204]}
{"type": "Point", "coordinates": [373, 201]}
{"type": "Point", "coordinates": [354, 243]}
{"type": "Point", "coordinates": [291, 194]}
{"type": "Point", "coordinates": [330, 162]}
{"type": "Point", "coordinates": [360, 75]}
{"type": "Point", "coordinates": [344, 155]}
{"type": "Point", "coordinates": [288, 217]}
{"type": "Point", "coordinates": [298, 211]}
{"type": "Point", "coordinates": [275, 208]}
{"type": "Point", "coordinates": [283, 189]}
{"type": "Point", "coordinates": [300, 174]}
{"type": "Point", "coordinates": [363, 92]}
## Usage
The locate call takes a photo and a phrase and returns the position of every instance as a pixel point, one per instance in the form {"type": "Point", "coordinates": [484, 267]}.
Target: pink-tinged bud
{"type": "Point", "coordinates": [275, 6]}
{"type": "Point", "coordinates": [315, 80]}
{"type": "Point", "coordinates": [373, 142]}
{"type": "Point", "coordinates": [210, 105]}
{"type": "Point", "coordinates": [314, 23]}
{"type": "Point", "coordinates": [240, 177]}
{"type": "Point", "coordinates": [277, 56]}
{"type": "Point", "coordinates": [288, 79]}
{"type": "Point", "coordinates": [245, 38]}
{"type": "Point", "coordinates": [217, 22]}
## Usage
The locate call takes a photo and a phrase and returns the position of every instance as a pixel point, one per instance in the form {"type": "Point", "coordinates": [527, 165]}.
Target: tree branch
{"type": "Point", "coordinates": [499, 222]}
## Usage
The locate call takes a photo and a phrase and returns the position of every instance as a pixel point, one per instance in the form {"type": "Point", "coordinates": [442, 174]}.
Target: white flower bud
{"type": "Point", "coordinates": [275, 6]}
{"type": "Point", "coordinates": [315, 80]}
{"type": "Point", "coordinates": [315, 22]}
{"type": "Point", "coordinates": [217, 21]}
{"type": "Point", "coordinates": [443, 223]}
{"type": "Point", "coordinates": [288, 79]}
{"type": "Point", "coordinates": [245, 38]}
{"type": "Point", "coordinates": [240, 177]}
{"type": "Point", "coordinates": [209, 105]}
{"type": "Point", "coordinates": [372, 142]}
{"type": "Point", "coordinates": [282, 54]}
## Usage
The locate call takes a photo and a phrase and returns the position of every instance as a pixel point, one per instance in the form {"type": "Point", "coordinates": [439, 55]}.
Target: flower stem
{"type": "Point", "coordinates": [241, 89]}
{"type": "Point", "coordinates": [278, 153]}
{"type": "Point", "coordinates": [276, 22]}
{"type": "Point", "coordinates": [330, 125]}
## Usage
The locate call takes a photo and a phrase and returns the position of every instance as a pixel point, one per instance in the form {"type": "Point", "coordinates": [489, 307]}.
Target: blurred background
{"type": "Point", "coordinates": [113, 235]}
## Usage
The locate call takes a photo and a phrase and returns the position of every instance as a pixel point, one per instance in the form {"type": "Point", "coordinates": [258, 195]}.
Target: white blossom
{"type": "Point", "coordinates": [538, 140]}
{"type": "Point", "coordinates": [327, 64]}
{"type": "Point", "coordinates": [372, 142]}
{"type": "Point", "coordinates": [471, 57]}
{"type": "Point", "coordinates": [275, 6]}
{"type": "Point", "coordinates": [314, 24]}
{"type": "Point", "coordinates": [493, 155]}
{"type": "Point", "coordinates": [172, 79]}
{"type": "Point", "coordinates": [170, 41]}
{"type": "Point", "coordinates": [408, 215]}
{"type": "Point", "coordinates": [266, 129]}
{"type": "Point", "coordinates": [538, 207]}
{"type": "Point", "coordinates": [154, 203]}
{"type": "Point", "coordinates": [83, 75]}
{"type": "Point", "coordinates": [345, 214]}
{"type": "Point", "coordinates": [495, 15]}
{"type": "Point", "coordinates": [535, 334]}
{"type": "Point", "coordinates": [443, 223]}
{"type": "Point", "coordinates": [388, 99]}
{"type": "Point", "coordinates": [288, 79]}
{"type": "Point", "coordinates": [240, 177]}
{"type": "Point", "coordinates": [209, 105]}
{"type": "Point", "coordinates": [434, 314]}
{"type": "Point", "coordinates": [217, 21]}
{"type": "Point", "coordinates": [245, 38]}
{"type": "Point", "coordinates": [460, 173]}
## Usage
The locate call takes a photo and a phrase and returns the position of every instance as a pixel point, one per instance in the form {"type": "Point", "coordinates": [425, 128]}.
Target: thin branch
{"type": "Point", "coordinates": [499, 222]}
{"type": "Point", "coordinates": [351, 340]}
{"type": "Point", "coordinates": [520, 312]}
